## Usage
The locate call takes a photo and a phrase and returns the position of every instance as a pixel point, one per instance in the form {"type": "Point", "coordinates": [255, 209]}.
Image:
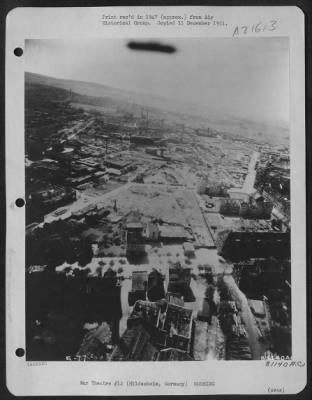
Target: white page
{"type": "Point", "coordinates": [220, 76]}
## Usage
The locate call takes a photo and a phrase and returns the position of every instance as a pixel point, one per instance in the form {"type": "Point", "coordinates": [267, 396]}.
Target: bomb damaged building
{"type": "Point", "coordinates": [253, 239]}
{"type": "Point", "coordinates": [155, 328]}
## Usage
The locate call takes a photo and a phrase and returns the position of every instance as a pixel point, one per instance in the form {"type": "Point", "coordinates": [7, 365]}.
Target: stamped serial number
{"type": "Point", "coordinates": [36, 363]}
{"type": "Point", "coordinates": [204, 383]}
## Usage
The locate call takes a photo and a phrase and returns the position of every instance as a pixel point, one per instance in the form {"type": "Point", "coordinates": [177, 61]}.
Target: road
{"type": "Point", "coordinates": [72, 135]}
{"type": "Point", "coordinates": [84, 202]}
{"type": "Point", "coordinates": [251, 174]}
{"type": "Point", "coordinates": [257, 348]}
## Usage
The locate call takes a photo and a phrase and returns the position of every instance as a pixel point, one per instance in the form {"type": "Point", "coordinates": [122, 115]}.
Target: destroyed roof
{"type": "Point", "coordinates": [237, 224]}
{"type": "Point", "coordinates": [252, 225]}
{"type": "Point", "coordinates": [103, 333]}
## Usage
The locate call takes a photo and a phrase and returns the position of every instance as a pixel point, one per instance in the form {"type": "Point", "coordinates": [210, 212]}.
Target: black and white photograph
{"type": "Point", "coordinates": [157, 199]}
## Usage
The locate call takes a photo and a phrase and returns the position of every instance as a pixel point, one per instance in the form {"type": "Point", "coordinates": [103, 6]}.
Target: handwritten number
{"type": "Point", "coordinates": [258, 28]}
{"type": "Point", "coordinates": [273, 25]}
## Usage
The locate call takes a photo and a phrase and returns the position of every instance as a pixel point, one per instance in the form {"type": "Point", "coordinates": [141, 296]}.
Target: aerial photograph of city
{"type": "Point", "coordinates": [157, 189]}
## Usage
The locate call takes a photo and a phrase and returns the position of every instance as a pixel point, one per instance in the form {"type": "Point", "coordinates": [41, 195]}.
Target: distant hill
{"type": "Point", "coordinates": [190, 114]}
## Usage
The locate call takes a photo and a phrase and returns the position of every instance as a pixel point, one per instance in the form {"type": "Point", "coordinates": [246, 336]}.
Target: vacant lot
{"type": "Point", "coordinates": [153, 201]}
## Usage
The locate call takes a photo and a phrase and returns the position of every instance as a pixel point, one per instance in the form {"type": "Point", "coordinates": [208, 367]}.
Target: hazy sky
{"type": "Point", "coordinates": [245, 77]}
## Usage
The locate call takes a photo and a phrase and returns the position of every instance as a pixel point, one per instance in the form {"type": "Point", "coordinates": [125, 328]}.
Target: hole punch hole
{"type": "Point", "coordinates": [18, 52]}
{"type": "Point", "coordinates": [20, 352]}
{"type": "Point", "coordinates": [19, 202]}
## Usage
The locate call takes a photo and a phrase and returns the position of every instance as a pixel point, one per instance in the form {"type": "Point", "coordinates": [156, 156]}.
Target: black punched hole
{"type": "Point", "coordinates": [20, 352]}
{"type": "Point", "coordinates": [18, 51]}
{"type": "Point", "coordinates": [19, 202]}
